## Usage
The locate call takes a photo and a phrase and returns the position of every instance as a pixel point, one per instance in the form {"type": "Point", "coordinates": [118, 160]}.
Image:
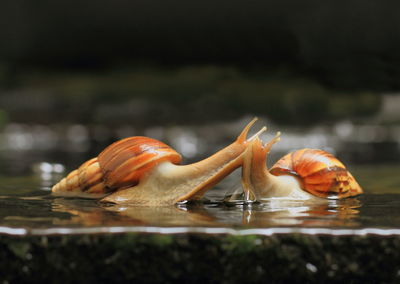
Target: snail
{"type": "Point", "coordinates": [144, 171]}
{"type": "Point", "coordinates": [305, 174]}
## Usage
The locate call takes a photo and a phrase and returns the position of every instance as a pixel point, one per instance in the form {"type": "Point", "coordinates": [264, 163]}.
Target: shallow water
{"type": "Point", "coordinates": [27, 207]}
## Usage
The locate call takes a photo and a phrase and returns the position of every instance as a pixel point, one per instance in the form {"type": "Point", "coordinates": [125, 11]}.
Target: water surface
{"type": "Point", "coordinates": [27, 207]}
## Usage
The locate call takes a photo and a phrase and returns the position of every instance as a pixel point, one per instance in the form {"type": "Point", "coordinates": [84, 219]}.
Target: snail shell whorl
{"type": "Point", "coordinates": [120, 165]}
{"type": "Point", "coordinates": [87, 178]}
{"type": "Point", "coordinates": [319, 173]}
{"type": "Point", "coordinates": [124, 162]}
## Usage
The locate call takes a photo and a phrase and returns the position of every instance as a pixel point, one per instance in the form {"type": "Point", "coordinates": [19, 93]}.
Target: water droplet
{"type": "Point", "coordinates": [311, 267]}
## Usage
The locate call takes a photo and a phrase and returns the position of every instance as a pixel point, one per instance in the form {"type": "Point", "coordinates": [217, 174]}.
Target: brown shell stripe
{"type": "Point", "coordinates": [122, 150]}
{"type": "Point", "coordinates": [319, 172]}
{"type": "Point", "coordinates": [321, 183]}
{"type": "Point", "coordinates": [109, 155]}
{"type": "Point", "coordinates": [329, 181]}
{"type": "Point", "coordinates": [128, 159]}
{"type": "Point", "coordinates": [306, 161]}
{"type": "Point", "coordinates": [133, 169]}
{"type": "Point", "coordinates": [90, 177]}
{"type": "Point", "coordinates": [72, 181]}
{"type": "Point", "coordinates": [124, 162]}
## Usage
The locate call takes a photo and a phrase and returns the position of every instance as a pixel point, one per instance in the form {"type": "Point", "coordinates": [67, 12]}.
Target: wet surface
{"type": "Point", "coordinates": [27, 207]}
{"type": "Point", "coordinates": [32, 159]}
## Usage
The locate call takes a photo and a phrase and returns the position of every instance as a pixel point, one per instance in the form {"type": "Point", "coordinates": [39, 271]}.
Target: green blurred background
{"type": "Point", "coordinates": [75, 76]}
{"type": "Point", "coordinates": [166, 62]}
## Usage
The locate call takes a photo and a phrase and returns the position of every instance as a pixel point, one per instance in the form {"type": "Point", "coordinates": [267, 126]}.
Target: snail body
{"type": "Point", "coordinates": [306, 174]}
{"type": "Point", "coordinates": [144, 171]}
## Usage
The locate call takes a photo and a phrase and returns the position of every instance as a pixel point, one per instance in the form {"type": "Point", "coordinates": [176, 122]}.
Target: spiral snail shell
{"type": "Point", "coordinates": [145, 171]}
{"type": "Point", "coordinates": [120, 165]}
{"type": "Point", "coordinates": [302, 174]}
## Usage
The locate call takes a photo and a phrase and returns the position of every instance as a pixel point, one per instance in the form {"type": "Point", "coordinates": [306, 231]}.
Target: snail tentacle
{"type": "Point", "coordinates": [302, 174]}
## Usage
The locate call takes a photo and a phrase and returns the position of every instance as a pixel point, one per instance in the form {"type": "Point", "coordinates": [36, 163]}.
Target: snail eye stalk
{"type": "Point", "coordinates": [302, 174]}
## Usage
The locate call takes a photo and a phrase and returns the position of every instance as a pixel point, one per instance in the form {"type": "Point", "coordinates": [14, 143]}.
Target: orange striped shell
{"type": "Point", "coordinates": [319, 173]}
{"type": "Point", "coordinates": [120, 165]}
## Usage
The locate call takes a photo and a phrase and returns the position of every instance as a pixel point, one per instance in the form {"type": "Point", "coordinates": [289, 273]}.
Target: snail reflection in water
{"type": "Point", "coordinates": [306, 174]}
{"type": "Point", "coordinates": [330, 213]}
{"type": "Point", "coordinates": [145, 171]}
{"type": "Point", "coordinates": [87, 213]}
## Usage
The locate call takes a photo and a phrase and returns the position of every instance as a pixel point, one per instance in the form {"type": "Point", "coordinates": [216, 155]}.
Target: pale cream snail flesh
{"type": "Point", "coordinates": [144, 171]}
{"type": "Point", "coordinates": [305, 174]}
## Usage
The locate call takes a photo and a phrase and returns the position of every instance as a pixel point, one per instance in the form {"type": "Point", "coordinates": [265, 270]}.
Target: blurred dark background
{"type": "Point", "coordinates": [231, 56]}
{"type": "Point", "coordinates": [141, 64]}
